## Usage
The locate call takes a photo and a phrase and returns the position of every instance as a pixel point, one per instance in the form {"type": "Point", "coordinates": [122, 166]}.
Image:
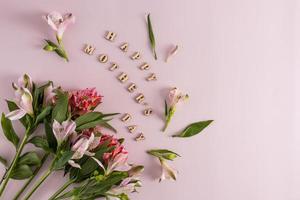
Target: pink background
{"type": "Point", "coordinates": [236, 59]}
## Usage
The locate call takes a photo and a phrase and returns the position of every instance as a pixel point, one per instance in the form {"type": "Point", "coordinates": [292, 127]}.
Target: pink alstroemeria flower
{"type": "Point", "coordinates": [24, 81]}
{"type": "Point", "coordinates": [49, 94]}
{"type": "Point", "coordinates": [24, 101]}
{"type": "Point", "coordinates": [117, 159]}
{"type": "Point", "coordinates": [59, 22]}
{"type": "Point", "coordinates": [83, 145]}
{"type": "Point", "coordinates": [64, 130]}
{"type": "Point", "coordinates": [167, 172]}
{"type": "Point", "coordinates": [175, 97]}
{"type": "Point", "coordinates": [23, 98]}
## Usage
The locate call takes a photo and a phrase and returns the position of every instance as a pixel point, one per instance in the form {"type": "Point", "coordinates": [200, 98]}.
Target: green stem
{"type": "Point", "coordinates": [41, 180]}
{"type": "Point", "coordinates": [14, 162]}
{"type": "Point", "coordinates": [168, 118]}
{"type": "Point", "coordinates": [32, 177]}
{"type": "Point", "coordinates": [61, 189]}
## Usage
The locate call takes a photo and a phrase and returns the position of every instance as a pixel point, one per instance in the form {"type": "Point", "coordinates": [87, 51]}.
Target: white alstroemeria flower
{"type": "Point", "coordinates": [64, 130]}
{"type": "Point", "coordinates": [83, 147]}
{"type": "Point", "coordinates": [23, 99]}
{"type": "Point", "coordinates": [24, 81]}
{"type": "Point", "coordinates": [166, 171]}
{"type": "Point", "coordinates": [176, 96]}
{"type": "Point", "coordinates": [49, 94]}
{"type": "Point", "coordinates": [59, 22]}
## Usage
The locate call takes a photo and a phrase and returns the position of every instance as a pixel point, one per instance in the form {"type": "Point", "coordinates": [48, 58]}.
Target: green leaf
{"type": "Point", "coordinates": [49, 48]}
{"type": "Point", "coordinates": [21, 172]}
{"type": "Point", "coordinates": [194, 129]}
{"type": "Point", "coordinates": [29, 158]}
{"type": "Point", "coordinates": [52, 44]}
{"type": "Point", "coordinates": [9, 131]}
{"type": "Point", "coordinates": [91, 116]}
{"type": "Point", "coordinates": [61, 53]}
{"type": "Point", "coordinates": [3, 161]}
{"type": "Point", "coordinates": [45, 112]}
{"type": "Point", "coordinates": [13, 106]}
{"type": "Point", "coordinates": [166, 109]}
{"type": "Point", "coordinates": [38, 97]}
{"type": "Point", "coordinates": [88, 165]}
{"type": "Point", "coordinates": [108, 126]}
{"type": "Point", "coordinates": [151, 36]}
{"type": "Point", "coordinates": [163, 153]}
{"type": "Point", "coordinates": [62, 161]}
{"type": "Point", "coordinates": [40, 143]}
{"type": "Point", "coordinates": [52, 142]}
{"type": "Point", "coordinates": [92, 124]}
{"type": "Point", "coordinates": [60, 110]}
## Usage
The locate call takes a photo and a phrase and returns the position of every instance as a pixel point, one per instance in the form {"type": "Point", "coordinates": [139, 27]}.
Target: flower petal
{"type": "Point", "coordinates": [16, 114]}
{"type": "Point", "coordinates": [73, 164]}
{"type": "Point", "coordinates": [67, 20]}
{"type": "Point", "coordinates": [26, 100]}
{"type": "Point", "coordinates": [54, 19]}
{"type": "Point", "coordinates": [99, 163]}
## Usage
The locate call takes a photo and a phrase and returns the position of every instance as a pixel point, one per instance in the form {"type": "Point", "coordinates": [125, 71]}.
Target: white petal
{"type": "Point", "coordinates": [25, 102]}
{"type": "Point", "coordinates": [16, 114]}
{"type": "Point", "coordinates": [73, 164]}
{"type": "Point", "coordinates": [99, 163]}
{"type": "Point", "coordinates": [57, 130]}
{"type": "Point", "coordinates": [89, 153]}
{"type": "Point", "coordinates": [69, 127]}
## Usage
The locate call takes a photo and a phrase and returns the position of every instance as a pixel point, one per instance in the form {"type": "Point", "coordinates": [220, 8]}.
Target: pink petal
{"type": "Point", "coordinates": [16, 114]}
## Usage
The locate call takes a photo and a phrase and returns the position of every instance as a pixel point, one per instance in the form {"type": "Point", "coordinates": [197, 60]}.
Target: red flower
{"type": "Point", "coordinates": [83, 101]}
{"type": "Point", "coordinates": [118, 156]}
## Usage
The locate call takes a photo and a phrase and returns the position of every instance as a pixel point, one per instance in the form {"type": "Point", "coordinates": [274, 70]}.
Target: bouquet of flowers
{"type": "Point", "coordinates": [74, 140]}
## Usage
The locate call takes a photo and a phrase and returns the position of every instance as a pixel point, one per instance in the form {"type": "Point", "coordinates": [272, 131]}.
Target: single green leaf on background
{"type": "Point", "coordinates": [151, 36]}
{"type": "Point", "coordinates": [9, 131]}
{"type": "Point", "coordinates": [45, 112]}
{"type": "Point", "coordinates": [52, 142]}
{"type": "Point", "coordinates": [40, 142]}
{"type": "Point", "coordinates": [29, 158]}
{"type": "Point", "coordinates": [163, 153]}
{"type": "Point", "coordinates": [60, 110]}
{"type": "Point", "coordinates": [13, 106]}
{"type": "Point", "coordinates": [62, 161]}
{"type": "Point", "coordinates": [3, 161]}
{"type": "Point", "coordinates": [166, 109]}
{"type": "Point", "coordinates": [194, 129]}
{"type": "Point", "coordinates": [21, 172]}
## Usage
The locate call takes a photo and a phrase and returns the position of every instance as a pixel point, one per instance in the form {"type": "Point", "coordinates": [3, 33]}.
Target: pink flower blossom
{"type": "Point", "coordinates": [59, 22]}
{"type": "Point", "coordinates": [83, 101]}
{"type": "Point", "coordinates": [117, 157]}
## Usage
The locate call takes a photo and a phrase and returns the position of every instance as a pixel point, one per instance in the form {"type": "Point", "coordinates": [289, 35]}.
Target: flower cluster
{"type": "Point", "coordinates": [74, 137]}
